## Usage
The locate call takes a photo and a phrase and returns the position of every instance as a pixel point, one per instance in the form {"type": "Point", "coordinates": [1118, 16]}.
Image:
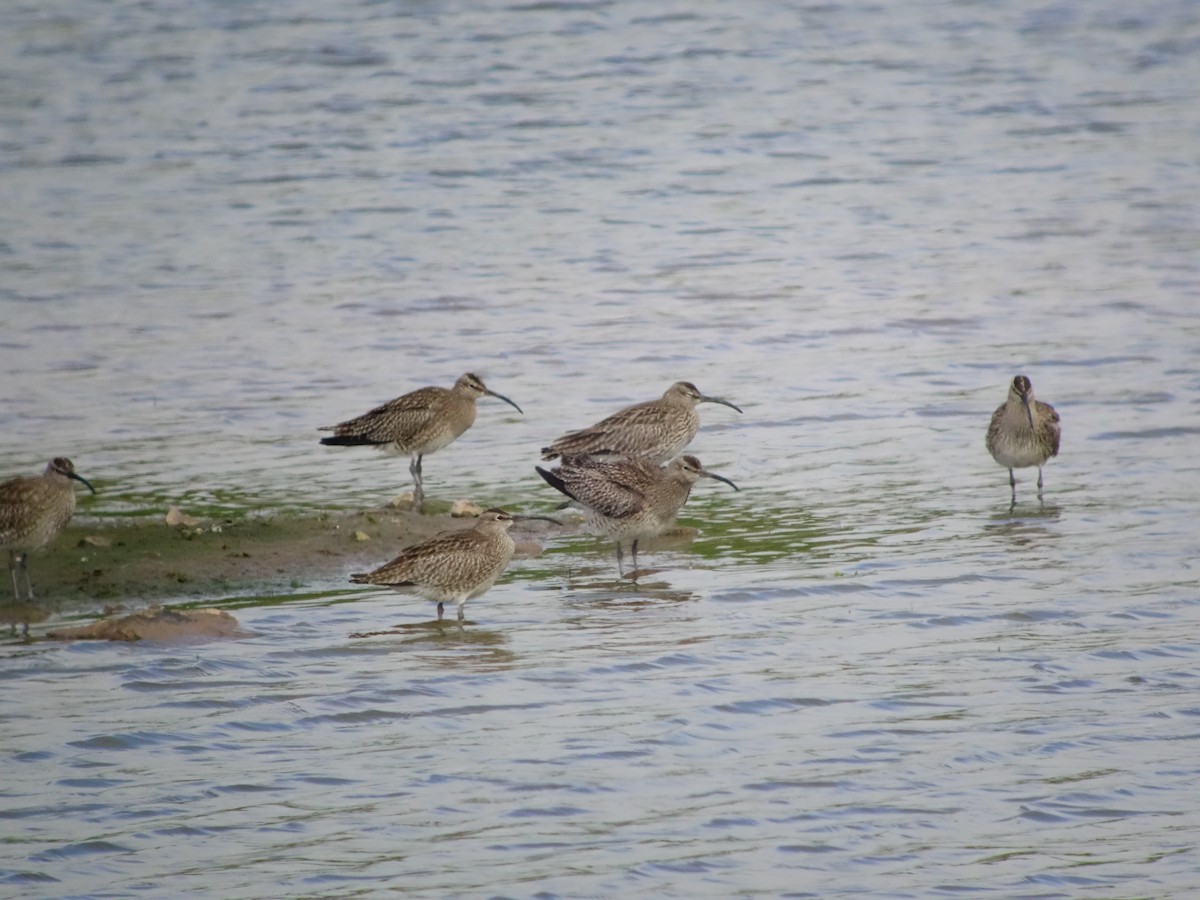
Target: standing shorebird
{"type": "Point", "coordinates": [1023, 432]}
{"type": "Point", "coordinates": [453, 565]}
{"type": "Point", "coordinates": [654, 431]}
{"type": "Point", "coordinates": [628, 500]}
{"type": "Point", "coordinates": [33, 512]}
{"type": "Point", "coordinates": [417, 424]}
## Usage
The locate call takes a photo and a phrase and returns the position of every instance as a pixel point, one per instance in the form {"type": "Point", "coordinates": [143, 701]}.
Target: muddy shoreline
{"type": "Point", "coordinates": [129, 561]}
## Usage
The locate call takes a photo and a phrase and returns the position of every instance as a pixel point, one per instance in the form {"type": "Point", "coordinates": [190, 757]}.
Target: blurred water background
{"type": "Point", "coordinates": [225, 224]}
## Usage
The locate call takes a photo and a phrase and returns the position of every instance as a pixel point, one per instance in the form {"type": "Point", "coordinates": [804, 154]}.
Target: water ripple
{"type": "Point", "coordinates": [864, 675]}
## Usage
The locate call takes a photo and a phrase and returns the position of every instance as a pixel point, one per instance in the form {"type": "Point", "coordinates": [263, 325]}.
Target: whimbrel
{"type": "Point", "coordinates": [33, 512]}
{"type": "Point", "coordinates": [654, 431]}
{"type": "Point", "coordinates": [452, 565]}
{"type": "Point", "coordinates": [1023, 432]}
{"type": "Point", "coordinates": [417, 424]}
{"type": "Point", "coordinates": [628, 500]}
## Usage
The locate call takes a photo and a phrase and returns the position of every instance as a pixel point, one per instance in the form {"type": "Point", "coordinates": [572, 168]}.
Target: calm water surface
{"type": "Point", "coordinates": [227, 224]}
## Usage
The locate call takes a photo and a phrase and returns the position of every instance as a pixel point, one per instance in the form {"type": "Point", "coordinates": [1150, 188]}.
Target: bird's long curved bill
{"type": "Point", "coordinates": [722, 402]}
{"type": "Point", "coordinates": [716, 477]}
{"type": "Point", "coordinates": [82, 480]}
{"type": "Point", "coordinates": [1028, 411]}
{"type": "Point", "coordinates": [539, 518]}
{"type": "Point", "coordinates": [506, 400]}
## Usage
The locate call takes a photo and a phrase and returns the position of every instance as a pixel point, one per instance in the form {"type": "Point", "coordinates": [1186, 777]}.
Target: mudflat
{"type": "Point", "coordinates": [104, 561]}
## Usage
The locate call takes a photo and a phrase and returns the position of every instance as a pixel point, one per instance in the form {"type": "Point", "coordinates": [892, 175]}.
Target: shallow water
{"type": "Point", "coordinates": [228, 225]}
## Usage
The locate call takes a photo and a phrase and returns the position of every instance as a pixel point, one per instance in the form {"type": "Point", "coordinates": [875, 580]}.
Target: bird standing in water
{"type": "Point", "coordinates": [418, 423]}
{"type": "Point", "coordinates": [33, 512]}
{"type": "Point", "coordinates": [1023, 432]}
{"type": "Point", "coordinates": [628, 500]}
{"type": "Point", "coordinates": [452, 565]}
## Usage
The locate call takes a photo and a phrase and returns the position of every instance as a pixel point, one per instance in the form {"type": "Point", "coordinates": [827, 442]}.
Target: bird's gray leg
{"type": "Point", "coordinates": [620, 570]}
{"type": "Point", "coordinates": [414, 467]}
{"type": "Point", "coordinates": [28, 583]}
{"type": "Point", "coordinates": [1040, 485]}
{"type": "Point", "coordinates": [460, 611]}
{"type": "Point", "coordinates": [1012, 483]}
{"type": "Point", "coordinates": [635, 569]}
{"type": "Point", "coordinates": [441, 609]}
{"type": "Point", "coordinates": [12, 570]}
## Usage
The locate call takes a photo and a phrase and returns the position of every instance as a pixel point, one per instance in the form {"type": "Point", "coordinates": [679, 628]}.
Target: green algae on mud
{"type": "Point", "coordinates": [107, 560]}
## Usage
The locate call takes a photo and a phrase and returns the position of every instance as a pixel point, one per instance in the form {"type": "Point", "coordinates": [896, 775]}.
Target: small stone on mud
{"type": "Point", "coordinates": [465, 509]}
{"type": "Point", "coordinates": [361, 536]}
{"type": "Point", "coordinates": [94, 540]}
{"type": "Point", "coordinates": [402, 501]}
{"type": "Point", "coordinates": [176, 516]}
{"type": "Point", "coordinates": [527, 549]}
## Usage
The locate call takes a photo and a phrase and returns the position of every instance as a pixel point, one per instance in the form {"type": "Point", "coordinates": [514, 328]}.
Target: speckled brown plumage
{"type": "Point", "coordinates": [628, 500]}
{"type": "Point", "coordinates": [654, 431]}
{"type": "Point", "coordinates": [1023, 432]}
{"type": "Point", "coordinates": [453, 565]}
{"type": "Point", "coordinates": [417, 424]}
{"type": "Point", "coordinates": [33, 512]}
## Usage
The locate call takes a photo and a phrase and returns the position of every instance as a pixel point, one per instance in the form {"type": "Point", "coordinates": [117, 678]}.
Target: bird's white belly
{"type": "Point", "coordinates": [1019, 453]}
